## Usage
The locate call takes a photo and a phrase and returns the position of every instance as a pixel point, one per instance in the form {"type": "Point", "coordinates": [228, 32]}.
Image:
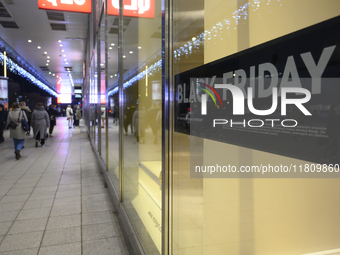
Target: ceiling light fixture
{"type": "Point", "coordinates": [39, 47]}
{"type": "Point", "coordinates": [112, 44]}
{"type": "Point", "coordinates": [62, 50]}
{"type": "Point", "coordinates": [60, 45]}
{"type": "Point", "coordinates": [47, 61]}
{"type": "Point", "coordinates": [29, 41]}
{"type": "Point", "coordinates": [110, 48]}
{"type": "Point", "coordinates": [139, 47]}
{"type": "Point", "coordinates": [48, 56]}
{"type": "Point", "coordinates": [130, 51]}
{"type": "Point", "coordinates": [59, 41]}
{"type": "Point", "coordinates": [45, 52]}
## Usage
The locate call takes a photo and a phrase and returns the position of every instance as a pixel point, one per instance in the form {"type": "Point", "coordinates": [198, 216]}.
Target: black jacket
{"type": "Point", "coordinates": [52, 113]}
{"type": "Point", "coordinates": [3, 117]}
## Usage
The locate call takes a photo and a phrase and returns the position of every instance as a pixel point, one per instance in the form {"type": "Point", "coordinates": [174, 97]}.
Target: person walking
{"type": "Point", "coordinates": [139, 120]}
{"type": "Point", "coordinates": [69, 115]}
{"type": "Point", "coordinates": [28, 112]}
{"type": "Point", "coordinates": [3, 122]}
{"type": "Point", "coordinates": [52, 113]}
{"type": "Point", "coordinates": [17, 134]}
{"type": "Point", "coordinates": [40, 122]}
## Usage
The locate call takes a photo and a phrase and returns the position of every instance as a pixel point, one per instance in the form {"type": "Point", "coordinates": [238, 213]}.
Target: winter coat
{"type": "Point", "coordinates": [3, 117]}
{"type": "Point", "coordinates": [13, 116]}
{"type": "Point", "coordinates": [69, 113]}
{"type": "Point", "coordinates": [40, 121]}
{"type": "Point", "coordinates": [78, 114]}
{"type": "Point", "coordinates": [53, 116]}
{"type": "Point", "coordinates": [139, 120]}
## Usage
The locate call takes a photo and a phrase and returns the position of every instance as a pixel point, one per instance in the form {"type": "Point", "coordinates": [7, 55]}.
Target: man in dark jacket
{"type": "Point", "coordinates": [3, 122]}
{"type": "Point", "coordinates": [52, 113]}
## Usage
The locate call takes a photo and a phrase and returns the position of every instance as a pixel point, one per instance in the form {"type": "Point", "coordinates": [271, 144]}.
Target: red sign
{"type": "Point", "coordinates": [132, 8]}
{"type": "Point", "coordinates": [66, 5]}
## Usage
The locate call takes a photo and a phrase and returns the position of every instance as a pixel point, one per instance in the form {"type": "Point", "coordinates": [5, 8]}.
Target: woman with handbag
{"type": "Point", "coordinates": [69, 115]}
{"type": "Point", "coordinates": [14, 121]}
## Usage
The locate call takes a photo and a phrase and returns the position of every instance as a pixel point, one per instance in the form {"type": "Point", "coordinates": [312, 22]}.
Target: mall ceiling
{"type": "Point", "coordinates": [52, 42]}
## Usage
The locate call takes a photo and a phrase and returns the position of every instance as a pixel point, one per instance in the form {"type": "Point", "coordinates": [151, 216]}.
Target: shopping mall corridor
{"type": "Point", "coordinates": [52, 200]}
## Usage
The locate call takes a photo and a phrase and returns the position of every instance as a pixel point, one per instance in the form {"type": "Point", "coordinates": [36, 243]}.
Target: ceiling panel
{"type": "Point", "coordinates": [35, 25]}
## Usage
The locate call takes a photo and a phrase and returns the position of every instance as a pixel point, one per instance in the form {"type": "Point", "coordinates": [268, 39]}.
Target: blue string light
{"type": "Point", "coordinates": [188, 48]}
{"type": "Point", "coordinates": [16, 69]}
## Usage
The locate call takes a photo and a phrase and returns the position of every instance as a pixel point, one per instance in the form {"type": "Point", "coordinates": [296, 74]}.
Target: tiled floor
{"type": "Point", "coordinates": [52, 200]}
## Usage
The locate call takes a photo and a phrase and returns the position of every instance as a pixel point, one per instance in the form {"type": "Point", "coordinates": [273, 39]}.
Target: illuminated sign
{"type": "Point", "coordinates": [3, 88]}
{"type": "Point", "coordinates": [132, 8]}
{"type": "Point", "coordinates": [66, 5]}
{"type": "Point", "coordinates": [64, 99]}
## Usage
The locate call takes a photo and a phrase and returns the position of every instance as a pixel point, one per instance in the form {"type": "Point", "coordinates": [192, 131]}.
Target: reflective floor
{"type": "Point", "coordinates": [52, 200]}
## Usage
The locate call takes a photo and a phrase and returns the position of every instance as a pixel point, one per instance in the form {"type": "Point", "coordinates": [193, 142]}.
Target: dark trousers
{"type": "Point", "coordinates": [37, 138]}
{"type": "Point", "coordinates": [1, 135]}
{"type": "Point", "coordinates": [50, 131]}
{"type": "Point", "coordinates": [126, 125]}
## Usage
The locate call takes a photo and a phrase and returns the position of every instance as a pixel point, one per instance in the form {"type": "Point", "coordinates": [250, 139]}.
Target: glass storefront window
{"type": "Point", "coordinates": [142, 115]}
{"type": "Point", "coordinates": [113, 100]}
{"type": "Point", "coordinates": [242, 215]}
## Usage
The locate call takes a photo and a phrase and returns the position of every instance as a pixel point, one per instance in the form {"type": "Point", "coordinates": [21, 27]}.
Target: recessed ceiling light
{"type": "Point", "coordinates": [130, 51]}
{"type": "Point", "coordinates": [62, 50]}
{"type": "Point", "coordinates": [48, 61]}
{"type": "Point", "coordinates": [111, 76]}
{"type": "Point", "coordinates": [47, 64]}
{"type": "Point", "coordinates": [101, 64]}
{"type": "Point", "coordinates": [45, 52]}
{"type": "Point", "coordinates": [59, 41]}
{"type": "Point", "coordinates": [29, 41]}
{"type": "Point", "coordinates": [110, 48]}
{"type": "Point", "coordinates": [39, 47]}
{"type": "Point", "coordinates": [48, 56]}
{"type": "Point", "coordinates": [66, 63]}
{"type": "Point", "coordinates": [112, 44]}
{"type": "Point", "coordinates": [64, 55]}
{"type": "Point", "coordinates": [65, 59]}
{"type": "Point", "coordinates": [53, 74]}
{"type": "Point", "coordinates": [49, 72]}
{"type": "Point", "coordinates": [124, 56]}
{"type": "Point", "coordinates": [115, 74]}
{"type": "Point", "coordinates": [139, 47]}
{"type": "Point", "coordinates": [60, 45]}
